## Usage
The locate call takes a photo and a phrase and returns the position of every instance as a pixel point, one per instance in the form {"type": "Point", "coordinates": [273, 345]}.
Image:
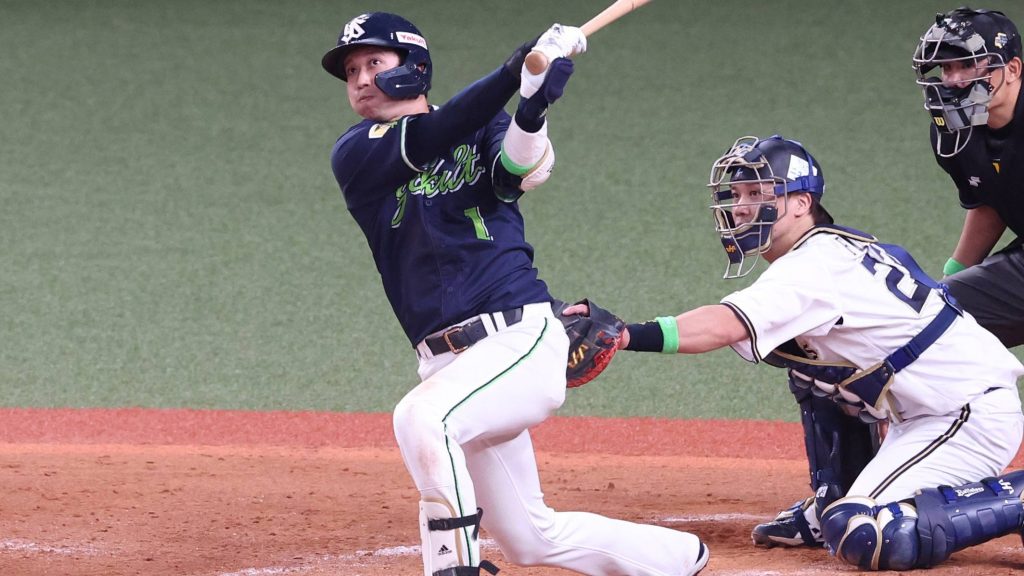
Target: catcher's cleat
{"type": "Point", "coordinates": [791, 528]}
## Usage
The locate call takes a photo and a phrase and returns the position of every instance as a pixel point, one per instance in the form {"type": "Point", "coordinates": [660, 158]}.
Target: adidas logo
{"type": "Point", "coordinates": [444, 550]}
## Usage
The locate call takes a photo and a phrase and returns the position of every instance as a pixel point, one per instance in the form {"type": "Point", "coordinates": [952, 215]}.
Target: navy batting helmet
{"type": "Point", "coordinates": [411, 78]}
{"type": "Point", "coordinates": [983, 39]}
{"type": "Point", "coordinates": [782, 166]}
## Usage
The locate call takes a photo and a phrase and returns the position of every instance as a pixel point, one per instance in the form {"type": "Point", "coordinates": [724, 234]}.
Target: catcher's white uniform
{"type": "Point", "coordinates": [955, 412]}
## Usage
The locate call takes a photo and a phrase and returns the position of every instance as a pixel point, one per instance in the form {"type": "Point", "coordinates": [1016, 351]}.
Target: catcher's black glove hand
{"type": "Point", "coordinates": [593, 340]}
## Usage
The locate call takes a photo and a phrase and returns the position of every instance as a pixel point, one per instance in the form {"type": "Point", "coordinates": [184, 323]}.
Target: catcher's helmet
{"type": "Point", "coordinates": [411, 78]}
{"type": "Point", "coordinates": [985, 39]}
{"type": "Point", "coordinates": [782, 166]}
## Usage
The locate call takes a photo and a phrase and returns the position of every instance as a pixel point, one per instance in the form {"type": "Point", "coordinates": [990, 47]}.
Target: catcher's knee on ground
{"type": "Point", "coordinates": [923, 531]}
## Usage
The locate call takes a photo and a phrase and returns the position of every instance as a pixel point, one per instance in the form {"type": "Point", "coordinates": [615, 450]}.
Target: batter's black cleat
{"type": "Point", "coordinates": [789, 529]}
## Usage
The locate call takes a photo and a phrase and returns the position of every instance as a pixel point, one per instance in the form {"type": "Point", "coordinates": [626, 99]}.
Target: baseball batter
{"type": "Point", "coordinates": [435, 191]}
{"type": "Point", "coordinates": [863, 325]}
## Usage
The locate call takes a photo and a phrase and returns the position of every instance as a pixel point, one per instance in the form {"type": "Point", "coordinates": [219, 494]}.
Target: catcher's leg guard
{"type": "Point", "coordinates": [954, 518]}
{"type": "Point", "coordinates": [838, 448]}
{"type": "Point", "coordinates": [923, 531]}
{"type": "Point", "coordinates": [872, 537]}
{"type": "Point", "coordinates": [450, 544]}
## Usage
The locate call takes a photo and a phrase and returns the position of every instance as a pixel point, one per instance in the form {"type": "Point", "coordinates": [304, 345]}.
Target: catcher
{"type": "Point", "coordinates": [857, 322]}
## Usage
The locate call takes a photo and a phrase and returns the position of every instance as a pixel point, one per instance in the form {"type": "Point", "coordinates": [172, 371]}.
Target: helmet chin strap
{"type": "Point", "coordinates": [746, 241]}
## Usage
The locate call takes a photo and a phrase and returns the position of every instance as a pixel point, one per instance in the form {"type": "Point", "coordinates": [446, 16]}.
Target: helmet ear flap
{"type": "Point", "coordinates": [404, 82]}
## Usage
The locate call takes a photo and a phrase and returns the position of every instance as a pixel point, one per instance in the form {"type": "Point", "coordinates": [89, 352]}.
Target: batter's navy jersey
{"type": "Point", "coordinates": [447, 248]}
{"type": "Point", "coordinates": [990, 169]}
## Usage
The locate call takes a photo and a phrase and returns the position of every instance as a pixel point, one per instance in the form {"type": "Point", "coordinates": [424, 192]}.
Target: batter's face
{"type": "Point", "coordinates": [361, 67]}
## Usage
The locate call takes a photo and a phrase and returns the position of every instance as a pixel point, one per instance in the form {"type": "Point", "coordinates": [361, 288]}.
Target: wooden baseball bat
{"type": "Point", "coordinates": [537, 62]}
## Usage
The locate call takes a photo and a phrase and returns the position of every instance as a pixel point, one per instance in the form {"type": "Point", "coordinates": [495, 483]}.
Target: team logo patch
{"type": "Point", "coordinates": [797, 167]}
{"type": "Point", "coordinates": [354, 29]}
{"type": "Point", "coordinates": [410, 38]}
{"type": "Point", "coordinates": [1000, 40]}
{"type": "Point", "coordinates": [379, 130]}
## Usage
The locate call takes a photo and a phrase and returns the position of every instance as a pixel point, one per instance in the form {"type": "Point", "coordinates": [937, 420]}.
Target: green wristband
{"type": "Point", "coordinates": [670, 331]}
{"type": "Point", "coordinates": [952, 267]}
{"type": "Point", "coordinates": [512, 167]}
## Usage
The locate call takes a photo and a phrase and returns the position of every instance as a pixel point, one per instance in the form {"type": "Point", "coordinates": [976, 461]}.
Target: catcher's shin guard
{"type": "Point", "coordinates": [838, 446]}
{"type": "Point", "coordinates": [859, 531]}
{"type": "Point", "coordinates": [954, 518]}
{"type": "Point", "coordinates": [450, 543]}
{"type": "Point", "coordinates": [923, 531]}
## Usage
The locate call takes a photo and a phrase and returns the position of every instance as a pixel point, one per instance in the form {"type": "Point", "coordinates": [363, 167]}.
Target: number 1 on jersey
{"type": "Point", "coordinates": [478, 223]}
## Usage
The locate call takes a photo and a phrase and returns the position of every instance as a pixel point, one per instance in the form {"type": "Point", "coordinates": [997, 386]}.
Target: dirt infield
{"type": "Point", "coordinates": [204, 493]}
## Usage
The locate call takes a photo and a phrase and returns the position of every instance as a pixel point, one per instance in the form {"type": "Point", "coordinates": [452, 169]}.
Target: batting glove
{"type": "Point", "coordinates": [567, 40]}
{"type": "Point", "coordinates": [561, 42]}
{"type": "Point", "coordinates": [558, 42]}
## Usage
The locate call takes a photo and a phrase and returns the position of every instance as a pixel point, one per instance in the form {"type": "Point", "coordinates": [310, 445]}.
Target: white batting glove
{"type": "Point", "coordinates": [558, 42]}
{"type": "Point", "coordinates": [562, 42]}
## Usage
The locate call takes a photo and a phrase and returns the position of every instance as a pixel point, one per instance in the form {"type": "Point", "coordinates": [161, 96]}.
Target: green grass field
{"type": "Point", "coordinates": [172, 235]}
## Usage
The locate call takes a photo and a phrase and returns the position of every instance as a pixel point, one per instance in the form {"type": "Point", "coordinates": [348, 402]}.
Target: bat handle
{"type": "Point", "coordinates": [536, 62]}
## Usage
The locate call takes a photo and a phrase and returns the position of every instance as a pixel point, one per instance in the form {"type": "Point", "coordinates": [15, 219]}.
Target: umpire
{"type": "Point", "coordinates": [968, 65]}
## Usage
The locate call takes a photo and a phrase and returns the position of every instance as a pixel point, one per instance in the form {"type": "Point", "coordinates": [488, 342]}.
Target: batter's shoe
{"type": "Point", "coordinates": [794, 526]}
{"type": "Point", "coordinates": [702, 560]}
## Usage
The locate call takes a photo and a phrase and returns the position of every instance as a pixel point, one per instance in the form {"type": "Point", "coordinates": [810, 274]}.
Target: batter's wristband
{"type": "Point", "coordinates": [512, 167]}
{"type": "Point", "coordinates": [952, 267]}
{"type": "Point", "coordinates": [670, 334]}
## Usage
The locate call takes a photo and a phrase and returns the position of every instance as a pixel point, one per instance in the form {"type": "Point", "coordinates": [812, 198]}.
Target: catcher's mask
{"type": "Point", "coordinates": [406, 81]}
{"type": "Point", "coordinates": [983, 40]}
{"type": "Point", "coordinates": [778, 166]}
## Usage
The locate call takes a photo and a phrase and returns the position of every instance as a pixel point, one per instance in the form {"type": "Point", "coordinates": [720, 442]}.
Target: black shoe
{"type": "Point", "coordinates": [789, 529]}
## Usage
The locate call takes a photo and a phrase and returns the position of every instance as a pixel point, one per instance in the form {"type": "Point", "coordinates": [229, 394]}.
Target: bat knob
{"type": "Point", "coordinates": [536, 62]}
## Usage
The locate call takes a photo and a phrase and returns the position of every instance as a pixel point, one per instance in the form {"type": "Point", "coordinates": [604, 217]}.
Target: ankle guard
{"type": "Point", "coordinates": [451, 543]}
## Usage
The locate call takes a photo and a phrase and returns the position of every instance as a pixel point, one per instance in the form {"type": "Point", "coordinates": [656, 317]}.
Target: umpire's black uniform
{"type": "Point", "coordinates": [990, 171]}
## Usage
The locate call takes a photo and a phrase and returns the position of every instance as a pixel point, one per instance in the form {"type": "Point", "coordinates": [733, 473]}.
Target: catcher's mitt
{"type": "Point", "coordinates": [593, 340]}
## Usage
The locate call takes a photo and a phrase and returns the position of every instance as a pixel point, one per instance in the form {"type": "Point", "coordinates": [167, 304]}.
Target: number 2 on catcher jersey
{"type": "Point", "coordinates": [896, 277]}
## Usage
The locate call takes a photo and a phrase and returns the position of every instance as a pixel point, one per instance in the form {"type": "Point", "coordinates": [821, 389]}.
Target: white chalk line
{"type": "Point", "coordinates": [29, 547]}
{"type": "Point", "coordinates": [713, 518]}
